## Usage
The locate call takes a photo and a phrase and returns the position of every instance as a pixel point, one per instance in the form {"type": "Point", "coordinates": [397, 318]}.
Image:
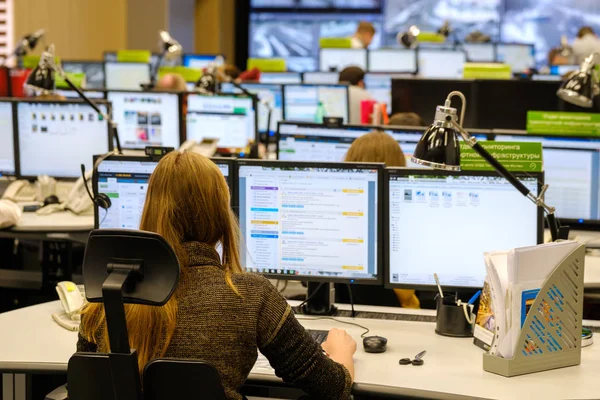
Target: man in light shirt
{"type": "Point", "coordinates": [355, 77]}
{"type": "Point", "coordinates": [363, 36]}
{"type": "Point", "coordinates": [586, 43]}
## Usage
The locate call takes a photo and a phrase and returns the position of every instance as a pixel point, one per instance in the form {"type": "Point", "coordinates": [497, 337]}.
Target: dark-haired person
{"type": "Point", "coordinates": [355, 77]}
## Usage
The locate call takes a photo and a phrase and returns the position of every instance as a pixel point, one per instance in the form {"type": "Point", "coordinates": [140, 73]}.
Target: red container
{"type": "Point", "coordinates": [18, 77]}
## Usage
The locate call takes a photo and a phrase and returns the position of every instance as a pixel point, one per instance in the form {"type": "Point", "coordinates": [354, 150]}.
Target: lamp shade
{"type": "Point", "coordinates": [170, 46]}
{"type": "Point", "coordinates": [438, 148]}
{"type": "Point", "coordinates": [579, 88]}
{"type": "Point", "coordinates": [41, 78]}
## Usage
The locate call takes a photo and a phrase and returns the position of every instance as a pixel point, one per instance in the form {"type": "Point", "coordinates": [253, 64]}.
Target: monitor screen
{"type": "Point", "coordinates": [270, 94]}
{"type": "Point", "coordinates": [329, 232]}
{"type": "Point", "coordinates": [520, 57]}
{"type": "Point", "coordinates": [560, 70]}
{"type": "Point", "coordinates": [457, 216]}
{"type": "Point", "coordinates": [281, 78]}
{"type": "Point", "coordinates": [314, 102]}
{"type": "Point", "coordinates": [314, 142]}
{"type": "Point", "coordinates": [146, 118]}
{"type": "Point", "coordinates": [436, 63]}
{"type": "Point", "coordinates": [71, 94]}
{"type": "Point", "coordinates": [572, 171]}
{"type": "Point", "coordinates": [480, 52]}
{"type": "Point", "coordinates": [393, 60]}
{"type": "Point", "coordinates": [338, 59]}
{"type": "Point", "coordinates": [7, 149]}
{"type": "Point", "coordinates": [126, 76]}
{"type": "Point", "coordinates": [379, 87]}
{"type": "Point", "coordinates": [125, 180]}
{"type": "Point", "coordinates": [55, 138]}
{"type": "Point", "coordinates": [94, 72]}
{"type": "Point", "coordinates": [321, 78]}
{"type": "Point", "coordinates": [199, 61]}
{"type": "Point", "coordinates": [229, 118]}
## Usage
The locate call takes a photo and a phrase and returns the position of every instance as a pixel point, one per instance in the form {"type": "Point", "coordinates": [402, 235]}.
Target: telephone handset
{"type": "Point", "coordinates": [20, 191]}
{"type": "Point", "coordinates": [77, 201]}
{"type": "Point", "coordinates": [72, 301]}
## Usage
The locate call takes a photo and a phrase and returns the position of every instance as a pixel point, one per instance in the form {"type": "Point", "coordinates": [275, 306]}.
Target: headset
{"type": "Point", "coordinates": [100, 199]}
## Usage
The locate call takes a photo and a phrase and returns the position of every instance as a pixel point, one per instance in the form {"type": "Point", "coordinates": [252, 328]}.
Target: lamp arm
{"type": "Point", "coordinates": [464, 104]}
{"type": "Point", "coordinates": [590, 62]}
{"type": "Point", "coordinates": [556, 230]}
{"type": "Point", "coordinates": [112, 124]}
{"type": "Point", "coordinates": [155, 68]}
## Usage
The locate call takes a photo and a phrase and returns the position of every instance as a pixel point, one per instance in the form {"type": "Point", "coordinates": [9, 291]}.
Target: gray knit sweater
{"type": "Point", "coordinates": [217, 326]}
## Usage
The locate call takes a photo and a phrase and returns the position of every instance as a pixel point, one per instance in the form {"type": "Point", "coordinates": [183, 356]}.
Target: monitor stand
{"type": "Point", "coordinates": [321, 298]}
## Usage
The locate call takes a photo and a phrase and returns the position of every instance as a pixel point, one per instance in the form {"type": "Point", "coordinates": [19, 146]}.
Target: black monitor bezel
{"type": "Point", "coordinates": [342, 165]}
{"type": "Point", "coordinates": [579, 223]}
{"type": "Point", "coordinates": [180, 107]}
{"type": "Point", "coordinates": [254, 107]}
{"type": "Point", "coordinates": [411, 72]}
{"type": "Point", "coordinates": [11, 101]}
{"type": "Point", "coordinates": [231, 179]}
{"type": "Point", "coordinates": [16, 133]}
{"type": "Point", "coordinates": [352, 50]}
{"type": "Point", "coordinates": [426, 171]}
{"type": "Point", "coordinates": [317, 85]}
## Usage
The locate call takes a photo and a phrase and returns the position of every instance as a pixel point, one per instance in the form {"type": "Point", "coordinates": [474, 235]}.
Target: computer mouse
{"type": "Point", "coordinates": [52, 199]}
{"type": "Point", "coordinates": [375, 344]}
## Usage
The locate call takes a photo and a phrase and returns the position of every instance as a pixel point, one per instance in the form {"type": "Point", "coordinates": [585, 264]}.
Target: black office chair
{"type": "Point", "coordinates": [135, 267]}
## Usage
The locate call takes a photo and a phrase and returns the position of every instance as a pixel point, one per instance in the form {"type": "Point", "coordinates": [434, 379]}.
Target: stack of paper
{"type": "Point", "coordinates": [514, 278]}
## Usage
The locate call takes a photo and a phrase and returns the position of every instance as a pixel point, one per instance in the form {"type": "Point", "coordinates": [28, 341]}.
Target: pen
{"type": "Point", "coordinates": [475, 296]}
{"type": "Point", "coordinates": [437, 281]}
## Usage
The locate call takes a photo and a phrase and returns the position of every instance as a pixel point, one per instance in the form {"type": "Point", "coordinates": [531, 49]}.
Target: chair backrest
{"type": "Point", "coordinates": [166, 379]}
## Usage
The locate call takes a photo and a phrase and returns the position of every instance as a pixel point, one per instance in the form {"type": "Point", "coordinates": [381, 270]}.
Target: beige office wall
{"type": "Point", "coordinates": [144, 19]}
{"type": "Point", "coordinates": [80, 29]}
{"type": "Point", "coordinates": [215, 27]}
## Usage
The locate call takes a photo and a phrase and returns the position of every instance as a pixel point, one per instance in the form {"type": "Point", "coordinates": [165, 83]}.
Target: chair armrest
{"type": "Point", "coordinates": [59, 393]}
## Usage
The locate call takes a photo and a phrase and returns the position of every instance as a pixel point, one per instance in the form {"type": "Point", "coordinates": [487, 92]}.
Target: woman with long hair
{"type": "Point", "coordinates": [219, 314]}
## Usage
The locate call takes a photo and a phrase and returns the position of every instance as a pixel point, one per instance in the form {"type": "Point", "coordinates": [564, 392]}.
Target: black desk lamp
{"type": "Point", "coordinates": [42, 79]}
{"type": "Point", "coordinates": [439, 149]}
{"type": "Point", "coordinates": [582, 86]}
{"type": "Point", "coordinates": [410, 38]}
{"type": "Point", "coordinates": [25, 45]}
{"type": "Point", "coordinates": [169, 49]}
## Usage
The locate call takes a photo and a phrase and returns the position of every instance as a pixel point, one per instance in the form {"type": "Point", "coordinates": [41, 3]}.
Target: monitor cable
{"type": "Point", "coordinates": [367, 330]}
{"type": "Point", "coordinates": [351, 299]}
{"type": "Point", "coordinates": [312, 295]}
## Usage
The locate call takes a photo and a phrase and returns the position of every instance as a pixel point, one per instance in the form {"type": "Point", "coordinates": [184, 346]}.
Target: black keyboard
{"type": "Point", "coordinates": [319, 336]}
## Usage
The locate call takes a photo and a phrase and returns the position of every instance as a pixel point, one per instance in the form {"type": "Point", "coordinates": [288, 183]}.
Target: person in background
{"type": "Point", "coordinates": [406, 119]}
{"type": "Point", "coordinates": [355, 77]}
{"type": "Point", "coordinates": [378, 146]}
{"type": "Point", "coordinates": [171, 82]}
{"type": "Point", "coordinates": [365, 32]}
{"type": "Point", "coordinates": [586, 43]}
{"type": "Point", "coordinates": [230, 70]}
{"type": "Point", "coordinates": [219, 314]}
{"type": "Point", "coordinates": [249, 76]}
{"type": "Point", "coordinates": [555, 57]}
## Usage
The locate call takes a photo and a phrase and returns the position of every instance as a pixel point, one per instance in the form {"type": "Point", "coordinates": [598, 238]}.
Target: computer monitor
{"type": "Point", "coordinates": [561, 70]}
{"type": "Point", "coordinates": [480, 52]}
{"type": "Point", "coordinates": [316, 142]}
{"type": "Point", "coordinates": [230, 118]}
{"type": "Point", "coordinates": [321, 78]}
{"type": "Point", "coordinates": [147, 118]}
{"type": "Point", "coordinates": [520, 57]}
{"type": "Point", "coordinates": [271, 94]}
{"type": "Point", "coordinates": [93, 70]}
{"type": "Point", "coordinates": [125, 180]}
{"type": "Point", "coordinates": [126, 76]}
{"type": "Point", "coordinates": [393, 60]}
{"type": "Point", "coordinates": [338, 59]}
{"type": "Point", "coordinates": [314, 102]}
{"type": "Point", "coordinates": [572, 171]}
{"type": "Point", "coordinates": [441, 63]}
{"type": "Point", "coordinates": [453, 217]}
{"type": "Point", "coordinates": [111, 56]}
{"type": "Point", "coordinates": [379, 86]}
{"type": "Point", "coordinates": [71, 94]}
{"type": "Point", "coordinates": [199, 61]}
{"type": "Point", "coordinates": [311, 221]}
{"type": "Point", "coordinates": [7, 149]}
{"type": "Point", "coordinates": [281, 78]}
{"type": "Point", "coordinates": [55, 137]}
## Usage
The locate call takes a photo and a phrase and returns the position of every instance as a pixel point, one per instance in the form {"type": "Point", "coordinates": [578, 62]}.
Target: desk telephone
{"type": "Point", "coordinates": [20, 191]}
{"type": "Point", "coordinates": [72, 301]}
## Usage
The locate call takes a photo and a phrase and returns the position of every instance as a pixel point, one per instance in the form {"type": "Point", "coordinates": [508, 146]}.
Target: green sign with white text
{"type": "Point", "coordinates": [563, 123]}
{"type": "Point", "coordinates": [267, 64]}
{"type": "Point", "coordinates": [189, 74]}
{"type": "Point", "coordinates": [138, 56]}
{"type": "Point", "coordinates": [77, 78]}
{"type": "Point", "coordinates": [514, 156]}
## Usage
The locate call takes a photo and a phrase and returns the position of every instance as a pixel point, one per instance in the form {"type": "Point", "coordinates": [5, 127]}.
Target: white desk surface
{"type": "Point", "coordinates": [31, 341]}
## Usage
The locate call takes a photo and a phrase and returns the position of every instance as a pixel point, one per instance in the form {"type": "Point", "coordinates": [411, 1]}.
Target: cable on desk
{"type": "Point", "coordinates": [312, 295]}
{"type": "Point", "coordinates": [105, 215]}
{"type": "Point", "coordinates": [351, 299]}
{"type": "Point", "coordinates": [367, 330]}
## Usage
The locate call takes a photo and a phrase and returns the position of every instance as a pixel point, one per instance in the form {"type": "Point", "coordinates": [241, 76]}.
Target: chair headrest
{"type": "Point", "coordinates": [158, 272]}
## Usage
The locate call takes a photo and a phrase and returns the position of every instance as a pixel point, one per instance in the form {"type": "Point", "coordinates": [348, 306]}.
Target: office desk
{"type": "Point", "coordinates": [30, 342]}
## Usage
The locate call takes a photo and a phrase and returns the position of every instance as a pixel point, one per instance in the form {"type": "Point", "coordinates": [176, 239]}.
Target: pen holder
{"type": "Point", "coordinates": [451, 319]}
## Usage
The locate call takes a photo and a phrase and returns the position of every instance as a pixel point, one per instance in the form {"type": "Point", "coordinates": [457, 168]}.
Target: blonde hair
{"type": "Point", "coordinates": [365, 27]}
{"type": "Point", "coordinates": [406, 119]}
{"type": "Point", "coordinates": [171, 82]}
{"type": "Point", "coordinates": [376, 146]}
{"type": "Point", "coordinates": [187, 200]}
